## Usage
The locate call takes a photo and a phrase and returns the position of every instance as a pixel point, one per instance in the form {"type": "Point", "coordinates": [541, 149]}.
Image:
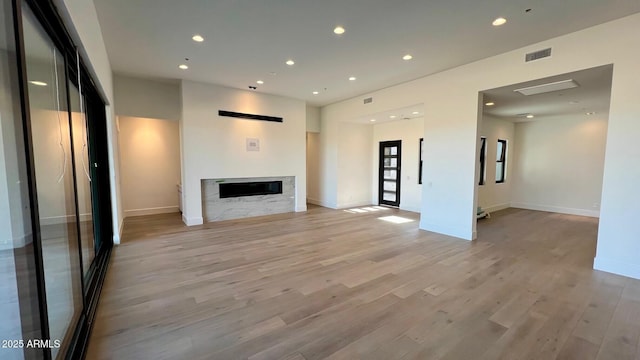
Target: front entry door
{"type": "Point", "coordinates": [389, 173]}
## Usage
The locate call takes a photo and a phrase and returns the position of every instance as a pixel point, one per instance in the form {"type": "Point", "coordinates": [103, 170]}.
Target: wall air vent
{"type": "Point", "coordinates": [249, 116]}
{"type": "Point", "coordinates": [537, 55]}
{"type": "Point", "coordinates": [368, 100]}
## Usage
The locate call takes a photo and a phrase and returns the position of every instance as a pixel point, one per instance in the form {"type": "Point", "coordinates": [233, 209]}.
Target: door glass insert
{"type": "Point", "coordinates": [389, 172]}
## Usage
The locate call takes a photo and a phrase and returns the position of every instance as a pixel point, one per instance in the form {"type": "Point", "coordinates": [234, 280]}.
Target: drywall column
{"type": "Point", "coordinates": [619, 233]}
{"type": "Point", "coordinates": [215, 147]}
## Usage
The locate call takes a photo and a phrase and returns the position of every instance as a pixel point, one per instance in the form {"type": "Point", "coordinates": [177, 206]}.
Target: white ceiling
{"type": "Point", "coordinates": [405, 113]}
{"type": "Point", "coordinates": [246, 40]}
{"type": "Point", "coordinates": [591, 96]}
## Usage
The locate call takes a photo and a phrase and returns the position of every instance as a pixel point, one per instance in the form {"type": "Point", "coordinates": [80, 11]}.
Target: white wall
{"type": "Point", "coordinates": [313, 168]}
{"type": "Point", "coordinates": [215, 147]}
{"type": "Point", "coordinates": [328, 187]}
{"type": "Point", "coordinates": [451, 117]}
{"type": "Point", "coordinates": [142, 98]}
{"type": "Point", "coordinates": [81, 20]}
{"type": "Point", "coordinates": [150, 165]}
{"type": "Point", "coordinates": [354, 165]}
{"type": "Point", "coordinates": [560, 163]}
{"type": "Point", "coordinates": [313, 155]}
{"type": "Point", "coordinates": [494, 196]}
{"type": "Point", "coordinates": [410, 132]}
{"type": "Point", "coordinates": [313, 119]}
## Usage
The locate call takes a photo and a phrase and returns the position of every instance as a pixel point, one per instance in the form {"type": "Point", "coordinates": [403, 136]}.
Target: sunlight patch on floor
{"type": "Point", "coordinates": [396, 219]}
{"type": "Point", "coordinates": [366, 209]}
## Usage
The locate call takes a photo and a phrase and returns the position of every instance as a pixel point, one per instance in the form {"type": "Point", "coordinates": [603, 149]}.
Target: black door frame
{"type": "Point", "coordinates": [382, 168]}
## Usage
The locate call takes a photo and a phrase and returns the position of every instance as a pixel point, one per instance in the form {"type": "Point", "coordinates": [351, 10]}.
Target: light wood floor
{"type": "Point", "coordinates": [338, 285]}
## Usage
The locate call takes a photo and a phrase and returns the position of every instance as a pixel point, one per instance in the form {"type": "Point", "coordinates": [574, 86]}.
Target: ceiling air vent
{"type": "Point", "coordinates": [537, 55]}
{"type": "Point", "coordinates": [368, 100]}
{"type": "Point", "coordinates": [550, 87]}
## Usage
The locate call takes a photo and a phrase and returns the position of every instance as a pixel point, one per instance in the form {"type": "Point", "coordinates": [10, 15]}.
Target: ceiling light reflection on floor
{"type": "Point", "coordinates": [395, 219]}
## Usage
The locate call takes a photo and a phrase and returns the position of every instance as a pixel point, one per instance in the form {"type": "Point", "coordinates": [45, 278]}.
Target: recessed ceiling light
{"type": "Point", "coordinates": [499, 21]}
{"type": "Point", "coordinates": [373, 120]}
{"type": "Point", "coordinates": [260, 82]}
{"type": "Point", "coordinates": [407, 57]}
{"type": "Point", "coordinates": [530, 116]}
{"type": "Point", "coordinates": [197, 38]}
{"type": "Point", "coordinates": [392, 117]}
{"type": "Point", "coordinates": [339, 30]}
{"type": "Point", "coordinates": [38, 83]}
{"type": "Point", "coordinates": [353, 78]}
{"type": "Point", "coordinates": [290, 62]}
{"type": "Point", "coordinates": [591, 113]}
{"type": "Point", "coordinates": [183, 67]}
{"type": "Point", "coordinates": [415, 113]}
{"type": "Point", "coordinates": [490, 103]}
{"type": "Point", "coordinates": [315, 93]}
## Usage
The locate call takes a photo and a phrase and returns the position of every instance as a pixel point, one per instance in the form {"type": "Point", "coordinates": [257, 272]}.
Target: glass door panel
{"type": "Point", "coordinates": [83, 177]}
{"type": "Point", "coordinates": [389, 173]}
{"type": "Point", "coordinates": [52, 146]}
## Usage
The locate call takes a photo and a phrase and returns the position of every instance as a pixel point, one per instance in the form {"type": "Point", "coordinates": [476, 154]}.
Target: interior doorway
{"type": "Point", "coordinates": [389, 173]}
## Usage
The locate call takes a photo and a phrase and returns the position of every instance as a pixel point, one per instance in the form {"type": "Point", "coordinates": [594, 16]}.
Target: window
{"type": "Point", "coordinates": [501, 161]}
{"type": "Point", "coordinates": [420, 162]}
{"type": "Point", "coordinates": [483, 162]}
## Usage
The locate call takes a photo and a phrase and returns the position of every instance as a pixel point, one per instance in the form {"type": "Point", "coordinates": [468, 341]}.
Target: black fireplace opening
{"type": "Point", "coordinates": [229, 190]}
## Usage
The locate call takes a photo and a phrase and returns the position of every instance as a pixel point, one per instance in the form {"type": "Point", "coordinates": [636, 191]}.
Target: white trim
{"type": "Point", "coordinates": [17, 242]}
{"type": "Point", "coordinates": [320, 203]}
{"type": "Point", "coordinates": [354, 204]}
{"type": "Point", "coordinates": [557, 209]}
{"type": "Point", "coordinates": [617, 267]}
{"type": "Point", "coordinates": [462, 234]}
{"type": "Point", "coordinates": [152, 211]}
{"type": "Point", "coordinates": [64, 219]}
{"type": "Point", "coordinates": [192, 221]}
{"type": "Point", "coordinates": [118, 236]}
{"type": "Point", "coordinates": [497, 207]}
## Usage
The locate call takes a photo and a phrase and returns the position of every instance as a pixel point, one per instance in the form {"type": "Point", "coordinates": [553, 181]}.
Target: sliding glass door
{"type": "Point", "coordinates": [53, 154]}
{"type": "Point", "coordinates": [56, 197]}
{"type": "Point", "coordinates": [83, 177]}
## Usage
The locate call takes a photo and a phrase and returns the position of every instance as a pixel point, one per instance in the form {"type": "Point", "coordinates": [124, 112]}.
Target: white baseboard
{"type": "Point", "coordinates": [498, 207]}
{"type": "Point", "coordinates": [354, 205]}
{"type": "Point", "coordinates": [314, 201]}
{"type": "Point", "coordinates": [557, 209]}
{"type": "Point", "coordinates": [16, 242]}
{"type": "Point", "coordinates": [118, 235]}
{"type": "Point", "coordinates": [192, 221]}
{"type": "Point", "coordinates": [152, 211]}
{"type": "Point", "coordinates": [321, 203]}
{"type": "Point", "coordinates": [464, 234]}
{"type": "Point", "coordinates": [617, 267]}
{"type": "Point", "coordinates": [63, 219]}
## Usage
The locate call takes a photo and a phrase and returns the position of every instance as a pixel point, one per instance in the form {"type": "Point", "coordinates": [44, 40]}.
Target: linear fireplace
{"type": "Point", "coordinates": [229, 190]}
{"type": "Point", "coordinates": [236, 198]}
